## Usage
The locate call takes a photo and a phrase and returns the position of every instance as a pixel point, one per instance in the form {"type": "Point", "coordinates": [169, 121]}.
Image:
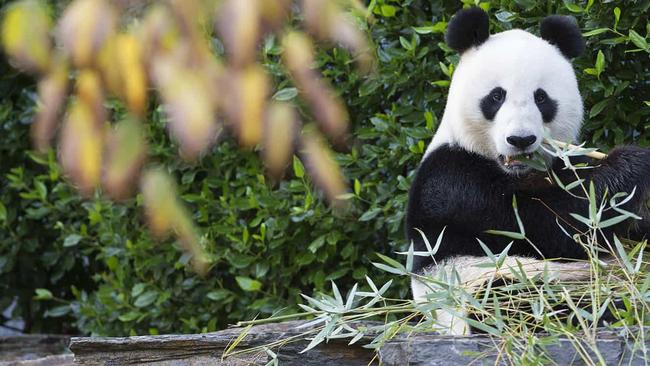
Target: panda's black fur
{"type": "Point", "coordinates": [468, 194]}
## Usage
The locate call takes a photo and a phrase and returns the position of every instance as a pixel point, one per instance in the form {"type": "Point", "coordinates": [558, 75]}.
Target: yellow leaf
{"type": "Point", "coordinates": [121, 61]}
{"type": "Point", "coordinates": [239, 27]}
{"type": "Point", "coordinates": [84, 27]}
{"type": "Point", "coordinates": [322, 166]}
{"type": "Point", "coordinates": [25, 35]}
{"type": "Point", "coordinates": [89, 90]}
{"type": "Point", "coordinates": [251, 93]}
{"type": "Point", "coordinates": [126, 151]}
{"type": "Point", "coordinates": [51, 95]}
{"type": "Point", "coordinates": [166, 213]}
{"type": "Point", "coordinates": [279, 134]}
{"type": "Point", "coordinates": [328, 108]}
{"type": "Point", "coordinates": [81, 147]}
{"type": "Point", "coordinates": [189, 104]}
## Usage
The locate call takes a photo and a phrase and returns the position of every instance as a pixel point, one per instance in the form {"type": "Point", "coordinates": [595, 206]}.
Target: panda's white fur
{"type": "Point", "coordinates": [520, 62]}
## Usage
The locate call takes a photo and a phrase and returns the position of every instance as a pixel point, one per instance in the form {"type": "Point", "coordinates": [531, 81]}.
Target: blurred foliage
{"type": "Point", "coordinates": [101, 272]}
{"type": "Point", "coordinates": [126, 50]}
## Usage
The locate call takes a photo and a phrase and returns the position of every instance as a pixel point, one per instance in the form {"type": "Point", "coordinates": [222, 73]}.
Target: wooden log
{"type": "Point", "coordinates": [207, 349]}
{"type": "Point", "coordinates": [418, 349]}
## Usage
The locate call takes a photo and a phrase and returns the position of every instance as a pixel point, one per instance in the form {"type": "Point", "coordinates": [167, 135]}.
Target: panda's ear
{"type": "Point", "coordinates": [563, 32]}
{"type": "Point", "coordinates": [468, 28]}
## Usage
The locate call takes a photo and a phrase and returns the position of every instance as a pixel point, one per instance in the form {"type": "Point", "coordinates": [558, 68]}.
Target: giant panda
{"type": "Point", "coordinates": [506, 90]}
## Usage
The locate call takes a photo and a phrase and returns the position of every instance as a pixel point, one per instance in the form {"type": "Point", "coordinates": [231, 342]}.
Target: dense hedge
{"type": "Point", "coordinates": [273, 241]}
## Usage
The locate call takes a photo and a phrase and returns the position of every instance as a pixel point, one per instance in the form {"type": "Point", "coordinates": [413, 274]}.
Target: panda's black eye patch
{"type": "Point", "coordinates": [492, 102]}
{"type": "Point", "coordinates": [546, 105]}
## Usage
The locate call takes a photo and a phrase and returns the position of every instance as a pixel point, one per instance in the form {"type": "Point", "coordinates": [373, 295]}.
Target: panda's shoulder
{"type": "Point", "coordinates": [454, 162]}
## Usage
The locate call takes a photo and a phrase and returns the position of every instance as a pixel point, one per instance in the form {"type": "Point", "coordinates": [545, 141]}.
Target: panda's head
{"type": "Point", "coordinates": [508, 87]}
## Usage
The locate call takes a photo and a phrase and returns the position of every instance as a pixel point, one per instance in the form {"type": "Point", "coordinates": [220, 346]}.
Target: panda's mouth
{"type": "Point", "coordinates": [514, 162]}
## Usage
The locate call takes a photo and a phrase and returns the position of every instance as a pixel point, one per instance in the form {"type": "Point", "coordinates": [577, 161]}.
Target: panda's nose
{"type": "Point", "coordinates": [521, 142]}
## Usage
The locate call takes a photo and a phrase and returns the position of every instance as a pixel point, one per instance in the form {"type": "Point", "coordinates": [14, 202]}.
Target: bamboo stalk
{"type": "Point", "coordinates": [592, 154]}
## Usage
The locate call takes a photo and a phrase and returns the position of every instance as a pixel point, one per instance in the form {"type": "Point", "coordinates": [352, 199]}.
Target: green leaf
{"type": "Point", "coordinates": [389, 269]}
{"type": "Point", "coordinates": [505, 16]}
{"type": "Point", "coordinates": [71, 240]}
{"type": "Point", "coordinates": [137, 289]}
{"type": "Point", "coordinates": [509, 234]}
{"type": "Point", "coordinates": [385, 10]}
{"type": "Point", "coordinates": [285, 94]}
{"type": "Point", "coordinates": [370, 214]}
{"type": "Point", "coordinates": [146, 299]}
{"type": "Point", "coordinates": [441, 83]}
{"type": "Point", "coordinates": [423, 30]}
{"type": "Point", "coordinates": [593, 205]}
{"type": "Point", "coordinates": [298, 168]}
{"type": "Point", "coordinates": [572, 7]}
{"type": "Point", "coordinates": [43, 294]}
{"type": "Point", "coordinates": [409, 258]}
{"type": "Point", "coordinates": [439, 27]}
{"type": "Point", "coordinates": [582, 219]}
{"type": "Point", "coordinates": [623, 255]}
{"type": "Point", "coordinates": [3, 213]}
{"type": "Point", "coordinates": [130, 316]}
{"type": "Point", "coordinates": [57, 311]}
{"type": "Point", "coordinates": [638, 40]}
{"type": "Point", "coordinates": [600, 62]}
{"type": "Point", "coordinates": [248, 284]}
{"type": "Point", "coordinates": [617, 16]}
{"type": "Point", "coordinates": [597, 108]}
{"type": "Point", "coordinates": [595, 32]}
{"type": "Point", "coordinates": [41, 189]}
{"type": "Point", "coordinates": [405, 43]}
{"type": "Point", "coordinates": [397, 266]}
{"type": "Point", "coordinates": [217, 295]}
{"type": "Point", "coordinates": [613, 221]}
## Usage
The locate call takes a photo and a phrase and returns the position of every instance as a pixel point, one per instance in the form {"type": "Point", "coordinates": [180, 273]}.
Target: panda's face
{"type": "Point", "coordinates": [505, 92]}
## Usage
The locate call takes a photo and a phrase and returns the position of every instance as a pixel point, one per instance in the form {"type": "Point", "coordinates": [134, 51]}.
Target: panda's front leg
{"type": "Point", "coordinates": [627, 169]}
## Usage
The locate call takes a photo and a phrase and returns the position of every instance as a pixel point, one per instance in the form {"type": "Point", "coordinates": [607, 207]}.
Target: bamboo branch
{"type": "Point", "coordinates": [592, 154]}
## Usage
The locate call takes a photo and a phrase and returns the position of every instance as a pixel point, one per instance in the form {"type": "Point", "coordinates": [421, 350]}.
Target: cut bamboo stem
{"type": "Point", "coordinates": [592, 154]}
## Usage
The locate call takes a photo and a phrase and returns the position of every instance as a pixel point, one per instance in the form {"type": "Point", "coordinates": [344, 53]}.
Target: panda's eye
{"type": "Point", "coordinates": [492, 102]}
{"type": "Point", "coordinates": [497, 95]}
{"type": "Point", "coordinates": [540, 96]}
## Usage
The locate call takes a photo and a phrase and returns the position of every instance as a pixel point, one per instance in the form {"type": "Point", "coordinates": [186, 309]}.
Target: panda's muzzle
{"type": "Point", "coordinates": [513, 162]}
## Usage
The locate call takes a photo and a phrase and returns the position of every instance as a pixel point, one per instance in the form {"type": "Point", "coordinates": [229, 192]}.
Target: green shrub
{"type": "Point", "coordinates": [271, 241]}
